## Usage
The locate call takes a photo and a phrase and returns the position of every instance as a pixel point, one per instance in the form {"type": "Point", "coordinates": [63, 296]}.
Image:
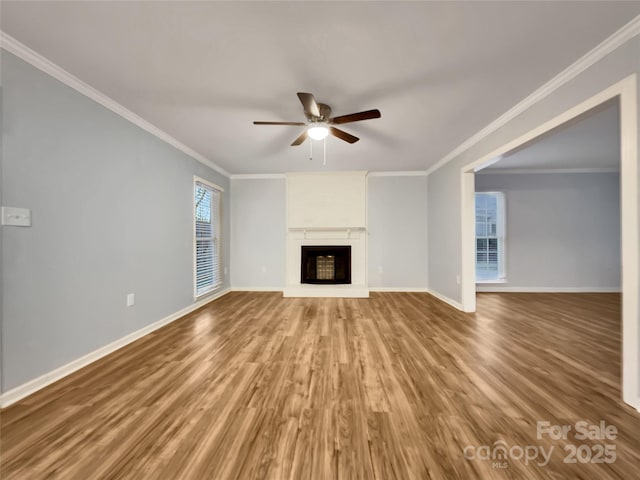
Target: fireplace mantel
{"type": "Point", "coordinates": [323, 232]}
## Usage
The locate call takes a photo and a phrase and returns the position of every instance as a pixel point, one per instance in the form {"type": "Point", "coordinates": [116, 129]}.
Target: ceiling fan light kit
{"type": "Point", "coordinates": [319, 122]}
{"type": "Point", "coordinates": [318, 131]}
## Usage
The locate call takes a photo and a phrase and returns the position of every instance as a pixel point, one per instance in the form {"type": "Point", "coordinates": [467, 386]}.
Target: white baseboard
{"type": "Point", "coordinates": [15, 394]}
{"type": "Point", "coordinates": [257, 289]}
{"type": "Point", "coordinates": [326, 291]}
{"type": "Point", "coordinates": [446, 299]}
{"type": "Point", "coordinates": [371, 289]}
{"type": "Point", "coordinates": [501, 289]}
{"type": "Point", "coordinates": [399, 289]}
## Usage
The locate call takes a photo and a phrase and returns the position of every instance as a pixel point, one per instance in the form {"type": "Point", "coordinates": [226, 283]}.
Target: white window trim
{"type": "Point", "coordinates": [217, 286]}
{"type": "Point", "coordinates": [502, 237]}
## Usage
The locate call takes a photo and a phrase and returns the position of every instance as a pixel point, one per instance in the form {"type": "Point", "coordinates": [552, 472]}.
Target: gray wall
{"type": "Point", "coordinates": [444, 184]}
{"type": "Point", "coordinates": [112, 212]}
{"type": "Point", "coordinates": [258, 233]}
{"type": "Point", "coordinates": [397, 232]}
{"type": "Point", "coordinates": [562, 229]}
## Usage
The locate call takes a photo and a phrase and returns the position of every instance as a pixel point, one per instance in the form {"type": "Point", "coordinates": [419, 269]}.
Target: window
{"type": "Point", "coordinates": [206, 236]}
{"type": "Point", "coordinates": [490, 237]}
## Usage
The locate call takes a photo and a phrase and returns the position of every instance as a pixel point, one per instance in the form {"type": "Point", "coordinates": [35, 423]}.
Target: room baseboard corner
{"type": "Point", "coordinates": [445, 299]}
{"type": "Point", "coordinates": [503, 289]}
{"type": "Point", "coordinates": [18, 393]}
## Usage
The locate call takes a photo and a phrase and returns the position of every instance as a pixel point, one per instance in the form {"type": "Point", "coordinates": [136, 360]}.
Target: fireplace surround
{"type": "Point", "coordinates": [326, 210]}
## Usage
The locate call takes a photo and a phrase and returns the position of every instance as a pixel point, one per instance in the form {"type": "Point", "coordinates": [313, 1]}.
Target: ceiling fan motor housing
{"type": "Point", "coordinates": [325, 112]}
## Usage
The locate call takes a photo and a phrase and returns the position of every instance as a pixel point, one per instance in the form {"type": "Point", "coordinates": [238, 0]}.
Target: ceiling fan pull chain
{"type": "Point", "coordinates": [310, 149]}
{"type": "Point", "coordinates": [324, 151]}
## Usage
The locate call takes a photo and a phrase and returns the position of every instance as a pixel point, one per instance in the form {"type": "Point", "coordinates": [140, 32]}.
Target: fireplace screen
{"type": "Point", "coordinates": [326, 264]}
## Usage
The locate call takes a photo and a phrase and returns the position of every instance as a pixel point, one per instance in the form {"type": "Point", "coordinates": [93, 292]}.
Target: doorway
{"type": "Point", "coordinates": [625, 93]}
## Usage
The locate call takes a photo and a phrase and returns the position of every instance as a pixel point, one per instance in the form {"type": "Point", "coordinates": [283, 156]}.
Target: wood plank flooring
{"type": "Point", "coordinates": [393, 387]}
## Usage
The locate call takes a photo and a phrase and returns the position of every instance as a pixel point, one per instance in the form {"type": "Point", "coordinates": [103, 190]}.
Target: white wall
{"type": "Point", "coordinates": [258, 233]}
{"type": "Point", "coordinates": [397, 232]}
{"type": "Point", "coordinates": [327, 200]}
{"type": "Point", "coordinates": [562, 229]}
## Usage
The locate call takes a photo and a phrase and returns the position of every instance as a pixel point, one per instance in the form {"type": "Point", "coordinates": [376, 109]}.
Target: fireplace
{"type": "Point", "coordinates": [330, 264]}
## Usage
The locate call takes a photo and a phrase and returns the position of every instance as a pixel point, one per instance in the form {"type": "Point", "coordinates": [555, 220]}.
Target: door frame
{"type": "Point", "coordinates": [626, 91]}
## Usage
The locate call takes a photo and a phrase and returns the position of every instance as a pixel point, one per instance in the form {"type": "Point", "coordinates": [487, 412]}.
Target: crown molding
{"type": "Point", "coordinates": [30, 56]}
{"type": "Point", "coordinates": [616, 40]}
{"type": "Point", "coordinates": [257, 176]}
{"type": "Point", "coordinates": [407, 173]}
{"type": "Point", "coordinates": [499, 171]}
{"type": "Point", "coordinates": [262, 176]}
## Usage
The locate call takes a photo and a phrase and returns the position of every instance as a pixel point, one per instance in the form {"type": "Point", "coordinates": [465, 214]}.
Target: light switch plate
{"type": "Point", "coordinates": [131, 299]}
{"type": "Point", "coordinates": [16, 217]}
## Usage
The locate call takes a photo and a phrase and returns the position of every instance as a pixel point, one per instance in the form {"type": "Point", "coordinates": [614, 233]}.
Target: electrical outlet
{"type": "Point", "coordinates": [380, 269]}
{"type": "Point", "coordinates": [131, 299]}
{"type": "Point", "coordinates": [458, 279]}
{"type": "Point", "coordinates": [226, 270]}
{"type": "Point", "coordinates": [264, 269]}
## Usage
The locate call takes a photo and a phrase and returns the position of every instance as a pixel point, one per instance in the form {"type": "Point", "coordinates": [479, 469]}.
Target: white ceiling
{"type": "Point", "coordinates": [591, 141]}
{"type": "Point", "coordinates": [203, 71]}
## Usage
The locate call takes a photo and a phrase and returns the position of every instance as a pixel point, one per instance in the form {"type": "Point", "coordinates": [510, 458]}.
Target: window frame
{"type": "Point", "coordinates": [217, 236]}
{"type": "Point", "coordinates": [501, 236]}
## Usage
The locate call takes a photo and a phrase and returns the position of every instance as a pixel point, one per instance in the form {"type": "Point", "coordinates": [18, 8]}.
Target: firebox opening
{"type": "Point", "coordinates": [329, 264]}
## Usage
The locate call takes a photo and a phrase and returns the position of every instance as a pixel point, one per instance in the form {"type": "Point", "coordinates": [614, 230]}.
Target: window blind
{"type": "Point", "coordinates": [490, 236]}
{"type": "Point", "coordinates": [207, 238]}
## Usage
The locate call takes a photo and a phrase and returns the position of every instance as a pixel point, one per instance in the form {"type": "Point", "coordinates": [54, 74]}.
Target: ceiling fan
{"type": "Point", "coordinates": [320, 123]}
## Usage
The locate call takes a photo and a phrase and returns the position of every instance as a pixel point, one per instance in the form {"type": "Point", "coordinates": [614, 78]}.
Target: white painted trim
{"type": "Point", "coordinates": [491, 282]}
{"type": "Point", "coordinates": [32, 386]}
{"type": "Point", "coordinates": [207, 183]}
{"type": "Point", "coordinates": [326, 291]}
{"type": "Point", "coordinates": [400, 289]}
{"type": "Point", "coordinates": [501, 289]}
{"type": "Point", "coordinates": [626, 91]}
{"type": "Point", "coordinates": [629, 218]}
{"type": "Point", "coordinates": [501, 171]}
{"type": "Point", "coordinates": [468, 230]}
{"type": "Point", "coordinates": [258, 176]}
{"type": "Point", "coordinates": [257, 289]}
{"type": "Point", "coordinates": [619, 38]}
{"type": "Point", "coordinates": [405, 173]}
{"type": "Point", "coordinates": [30, 56]}
{"type": "Point", "coordinates": [217, 231]}
{"type": "Point", "coordinates": [371, 289]}
{"type": "Point", "coordinates": [445, 299]}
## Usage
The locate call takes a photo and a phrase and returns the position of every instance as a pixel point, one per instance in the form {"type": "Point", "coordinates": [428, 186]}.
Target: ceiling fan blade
{"type": "Point", "coordinates": [279, 123]}
{"type": "Point", "coordinates": [309, 103]}
{"type": "Point", "coordinates": [356, 117]}
{"type": "Point", "coordinates": [342, 135]}
{"type": "Point", "coordinates": [300, 139]}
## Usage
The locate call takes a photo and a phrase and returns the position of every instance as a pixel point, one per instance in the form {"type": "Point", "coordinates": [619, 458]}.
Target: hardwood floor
{"type": "Point", "coordinates": [396, 386]}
